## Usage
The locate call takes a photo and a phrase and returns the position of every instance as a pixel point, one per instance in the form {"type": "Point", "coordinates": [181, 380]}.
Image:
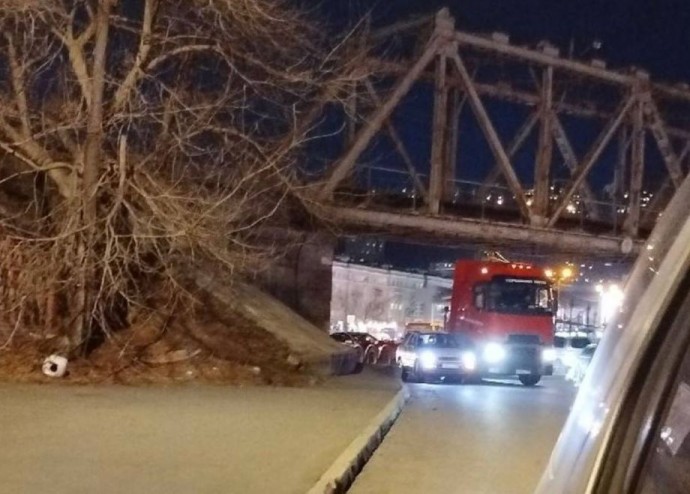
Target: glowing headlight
{"type": "Point", "coordinates": [428, 360]}
{"type": "Point", "coordinates": [493, 352]}
{"type": "Point", "coordinates": [548, 354]}
{"type": "Point", "coordinates": [469, 360]}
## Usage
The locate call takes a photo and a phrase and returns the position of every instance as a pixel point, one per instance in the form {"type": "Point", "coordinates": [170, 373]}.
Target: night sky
{"type": "Point", "coordinates": [650, 34]}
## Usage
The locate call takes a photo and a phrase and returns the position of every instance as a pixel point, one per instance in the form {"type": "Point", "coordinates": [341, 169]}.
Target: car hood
{"type": "Point", "coordinates": [443, 352]}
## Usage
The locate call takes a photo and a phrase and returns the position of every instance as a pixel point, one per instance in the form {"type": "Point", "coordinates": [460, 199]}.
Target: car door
{"type": "Point", "coordinates": [408, 350]}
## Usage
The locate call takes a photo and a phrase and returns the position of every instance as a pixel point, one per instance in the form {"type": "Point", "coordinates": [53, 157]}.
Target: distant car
{"type": "Point", "coordinates": [567, 352]}
{"type": "Point", "coordinates": [376, 351]}
{"type": "Point", "coordinates": [432, 355]}
{"type": "Point", "coordinates": [347, 339]}
{"type": "Point", "coordinates": [576, 371]}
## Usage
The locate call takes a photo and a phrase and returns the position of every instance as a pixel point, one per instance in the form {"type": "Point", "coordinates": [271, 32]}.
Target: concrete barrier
{"type": "Point", "coordinates": [342, 473]}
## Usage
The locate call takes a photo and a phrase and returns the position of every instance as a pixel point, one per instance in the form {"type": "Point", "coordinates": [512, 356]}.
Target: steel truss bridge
{"type": "Point", "coordinates": [642, 136]}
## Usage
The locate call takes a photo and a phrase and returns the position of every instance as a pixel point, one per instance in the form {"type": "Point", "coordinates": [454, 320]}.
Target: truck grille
{"type": "Point", "coordinates": [524, 356]}
{"type": "Point", "coordinates": [523, 339]}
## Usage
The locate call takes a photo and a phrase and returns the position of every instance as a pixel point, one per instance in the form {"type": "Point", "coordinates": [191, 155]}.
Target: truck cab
{"type": "Point", "coordinates": [507, 310]}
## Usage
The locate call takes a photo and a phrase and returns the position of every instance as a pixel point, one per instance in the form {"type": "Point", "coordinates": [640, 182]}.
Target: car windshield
{"type": "Point", "coordinates": [438, 341]}
{"type": "Point", "coordinates": [519, 296]}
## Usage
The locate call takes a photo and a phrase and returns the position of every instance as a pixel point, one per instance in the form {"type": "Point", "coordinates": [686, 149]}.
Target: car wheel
{"type": "Point", "coordinates": [530, 380]}
{"type": "Point", "coordinates": [405, 375]}
{"type": "Point", "coordinates": [370, 358]}
{"type": "Point", "coordinates": [358, 368]}
{"type": "Point", "coordinates": [386, 358]}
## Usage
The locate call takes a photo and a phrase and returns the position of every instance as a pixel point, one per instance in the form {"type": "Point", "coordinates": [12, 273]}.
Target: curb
{"type": "Point", "coordinates": [342, 473]}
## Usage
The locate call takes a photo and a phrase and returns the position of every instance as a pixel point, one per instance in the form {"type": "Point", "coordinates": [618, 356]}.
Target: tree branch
{"type": "Point", "coordinates": [19, 88]}
{"type": "Point", "coordinates": [123, 92]}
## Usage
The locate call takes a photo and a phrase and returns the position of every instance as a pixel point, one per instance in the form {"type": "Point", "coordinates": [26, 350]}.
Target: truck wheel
{"type": "Point", "coordinates": [530, 380]}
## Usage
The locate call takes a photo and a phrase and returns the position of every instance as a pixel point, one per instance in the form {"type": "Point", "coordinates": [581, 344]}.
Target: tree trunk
{"type": "Point", "coordinates": [90, 176]}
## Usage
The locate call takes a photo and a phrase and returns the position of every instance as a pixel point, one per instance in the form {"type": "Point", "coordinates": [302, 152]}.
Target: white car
{"type": "Point", "coordinates": [629, 428]}
{"type": "Point", "coordinates": [429, 355]}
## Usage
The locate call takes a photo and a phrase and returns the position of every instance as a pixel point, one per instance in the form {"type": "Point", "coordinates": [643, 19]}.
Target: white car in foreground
{"type": "Point", "coordinates": [434, 355]}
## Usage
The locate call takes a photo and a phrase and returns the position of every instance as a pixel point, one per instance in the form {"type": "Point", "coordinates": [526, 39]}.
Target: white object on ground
{"type": "Point", "coordinates": [55, 366]}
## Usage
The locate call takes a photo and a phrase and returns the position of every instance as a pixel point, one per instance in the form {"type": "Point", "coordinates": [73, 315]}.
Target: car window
{"type": "Point", "coordinates": [579, 342]}
{"type": "Point", "coordinates": [668, 471]}
{"type": "Point", "coordinates": [438, 341]}
{"type": "Point", "coordinates": [600, 442]}
{"type": "Point", "coordinates": [340, 337]}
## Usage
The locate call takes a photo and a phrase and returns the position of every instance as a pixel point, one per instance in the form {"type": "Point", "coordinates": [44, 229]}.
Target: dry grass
{"type": "Point", "coordinates": [207, 344]}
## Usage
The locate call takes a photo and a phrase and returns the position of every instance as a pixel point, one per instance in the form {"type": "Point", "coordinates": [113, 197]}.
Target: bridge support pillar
{"type": "Point", "coordinates": [301, 277]}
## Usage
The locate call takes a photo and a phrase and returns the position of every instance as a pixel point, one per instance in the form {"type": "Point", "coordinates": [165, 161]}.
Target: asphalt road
{"type": "Point", "coordinates": [186, 439]}
{"type": "Point", "coordinates": [488, 438]}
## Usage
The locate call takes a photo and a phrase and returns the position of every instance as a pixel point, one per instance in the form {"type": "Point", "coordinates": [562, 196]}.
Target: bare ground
{"type": "Point", "coordinates": [207, 344]}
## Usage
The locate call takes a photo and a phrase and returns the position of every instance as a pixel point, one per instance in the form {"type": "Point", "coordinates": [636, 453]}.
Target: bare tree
{"type": "Point", "coordinates": [141, 136]}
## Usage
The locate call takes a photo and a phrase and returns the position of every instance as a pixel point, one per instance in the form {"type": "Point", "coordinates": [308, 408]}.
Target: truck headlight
{"type": "Point", "coordinates": [428, 360]}
{"type": "Point", "coordinates": [548, 354]}
{"type": "Point", "coordinates": [469, 360]}
{"type": "Point", "coordinates": [493, 353]}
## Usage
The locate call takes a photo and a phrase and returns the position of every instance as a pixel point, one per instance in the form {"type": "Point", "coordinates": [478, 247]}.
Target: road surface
{"type": "Point", "coordinates": [488, 438]}
{"type": "Point", "coordinates": [191, 439]}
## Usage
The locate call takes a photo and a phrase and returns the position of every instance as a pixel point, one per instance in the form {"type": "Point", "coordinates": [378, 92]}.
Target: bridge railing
{"type": "Point", "coordinates": [396, 188]}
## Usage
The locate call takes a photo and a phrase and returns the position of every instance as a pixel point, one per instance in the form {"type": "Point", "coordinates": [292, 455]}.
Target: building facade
{"type": "Point", "coordinates": [382, 301]}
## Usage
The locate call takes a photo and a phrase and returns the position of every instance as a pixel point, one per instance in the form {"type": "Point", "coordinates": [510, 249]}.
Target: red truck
{"type": "Point", "coordinates": [507, 309]}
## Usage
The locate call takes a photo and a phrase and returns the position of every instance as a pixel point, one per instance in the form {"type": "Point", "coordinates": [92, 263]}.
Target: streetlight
{"type": "Point", "coordinates": [610, 302]}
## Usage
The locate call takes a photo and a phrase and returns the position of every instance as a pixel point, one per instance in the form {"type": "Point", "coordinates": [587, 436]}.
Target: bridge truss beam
{"type": "Point", "coordinates": [427, 227]}
{"type": "Point", "coordinates": [632, 108]}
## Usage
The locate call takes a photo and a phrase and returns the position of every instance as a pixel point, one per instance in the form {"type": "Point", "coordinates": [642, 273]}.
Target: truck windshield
{"type": "Point", "coordinates": [519, 296]}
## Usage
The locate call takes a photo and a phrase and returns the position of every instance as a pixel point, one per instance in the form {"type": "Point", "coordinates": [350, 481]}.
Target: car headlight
{"type": "Point", "coordinates": [548, 354]}
{"type": "Point", "coordinates": [493, 352]}
{"type": "Point", "coordinates": [428, 360]}
{"type": "Point", "coordinates": [469, 360]}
